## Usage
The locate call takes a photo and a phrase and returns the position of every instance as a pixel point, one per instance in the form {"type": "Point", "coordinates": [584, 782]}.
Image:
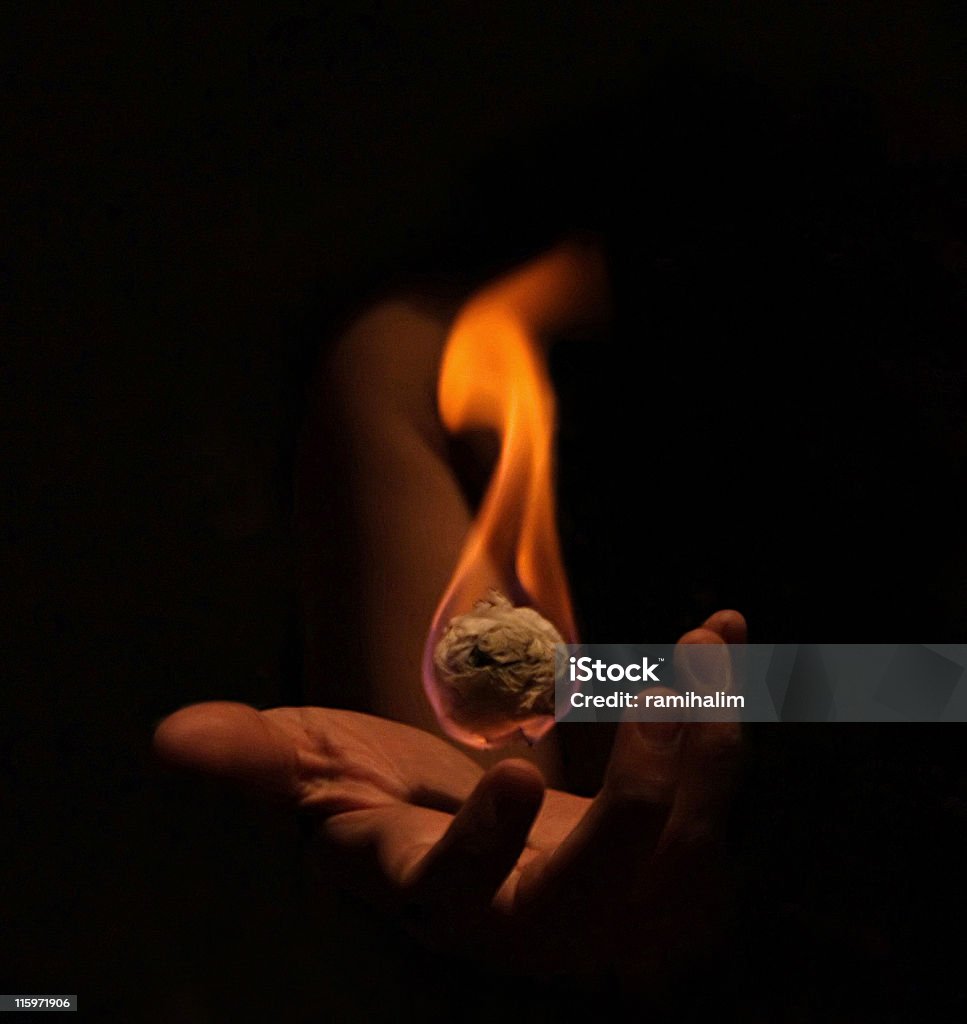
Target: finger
{"type": "Point", "coordinates": [711, 749]}
{"type": "Point", "coordinates": [229, 741]}
{"type": "Point", "coordinates": [644, 764]}
{"type": "Point", "coordinates": [483, 843]}
{"type": "Point", "coordinates": [730, 625]}
{"type": "Point", "coordinates": [710, 766]}
{"type": "Point", "coordinates": [691, 846]}
{"type": "Point", "coordinates": [703, 663]}
{"type": "Point", "coordinates": [609, 848]}
{"type": "Point", "coordinates": [429, 859]}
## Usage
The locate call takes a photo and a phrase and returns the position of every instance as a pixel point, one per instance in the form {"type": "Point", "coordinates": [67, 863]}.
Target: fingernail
{"type": "Point", "coordinates": [707, 667]}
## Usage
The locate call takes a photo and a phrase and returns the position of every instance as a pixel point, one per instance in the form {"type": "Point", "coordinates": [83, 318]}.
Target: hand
{"type": "Point", "coordinates": [629, 884]}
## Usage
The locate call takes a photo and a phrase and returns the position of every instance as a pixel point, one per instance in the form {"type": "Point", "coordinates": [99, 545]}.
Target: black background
{"type": "Point", "coordinates": [195, 200]}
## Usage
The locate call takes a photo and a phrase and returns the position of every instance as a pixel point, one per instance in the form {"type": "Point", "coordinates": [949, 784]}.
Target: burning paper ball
{"type": "Point", "coordinates": [496, 665]}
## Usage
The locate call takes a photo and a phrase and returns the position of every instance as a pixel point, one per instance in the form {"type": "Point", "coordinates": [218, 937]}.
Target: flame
{"type": "Point", "coordinates": [494, 376]}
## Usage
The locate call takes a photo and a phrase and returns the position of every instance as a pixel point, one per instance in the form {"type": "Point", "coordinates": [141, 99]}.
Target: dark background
{"type": "Point", "coordinates": [195, 201]}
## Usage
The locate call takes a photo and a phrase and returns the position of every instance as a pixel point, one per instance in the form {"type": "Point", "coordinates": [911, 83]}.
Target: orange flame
{"type": "Point", "coordinates": [494, 376]}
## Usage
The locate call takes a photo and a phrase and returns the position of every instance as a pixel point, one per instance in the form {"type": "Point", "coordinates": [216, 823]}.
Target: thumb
{"type": "Point", "coordinates": [228, 741]}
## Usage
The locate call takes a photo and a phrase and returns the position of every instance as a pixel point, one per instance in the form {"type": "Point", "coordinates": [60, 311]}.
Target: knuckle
{"type": "Point", "coordinates": [645, 788]}
{"type": "Point", "coordinates": [718, 742]}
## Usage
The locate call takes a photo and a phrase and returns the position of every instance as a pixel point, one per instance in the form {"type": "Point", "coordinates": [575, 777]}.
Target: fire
{"type": "Point", "coordinates": [494, 376]}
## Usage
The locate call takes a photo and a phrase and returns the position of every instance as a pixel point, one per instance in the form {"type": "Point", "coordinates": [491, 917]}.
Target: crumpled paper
{"type": "Point", "coordinates": [497, 661]}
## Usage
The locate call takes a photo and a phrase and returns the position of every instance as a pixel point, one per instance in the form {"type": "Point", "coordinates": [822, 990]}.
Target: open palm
{"type": "Point", "coordinates": [493, 863]}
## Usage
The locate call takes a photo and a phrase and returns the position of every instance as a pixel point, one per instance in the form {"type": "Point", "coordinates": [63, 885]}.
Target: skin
{"type": "Point", "coordinates": [490, 861]}
{"type": "Point", "coordinates": [485, 851]}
